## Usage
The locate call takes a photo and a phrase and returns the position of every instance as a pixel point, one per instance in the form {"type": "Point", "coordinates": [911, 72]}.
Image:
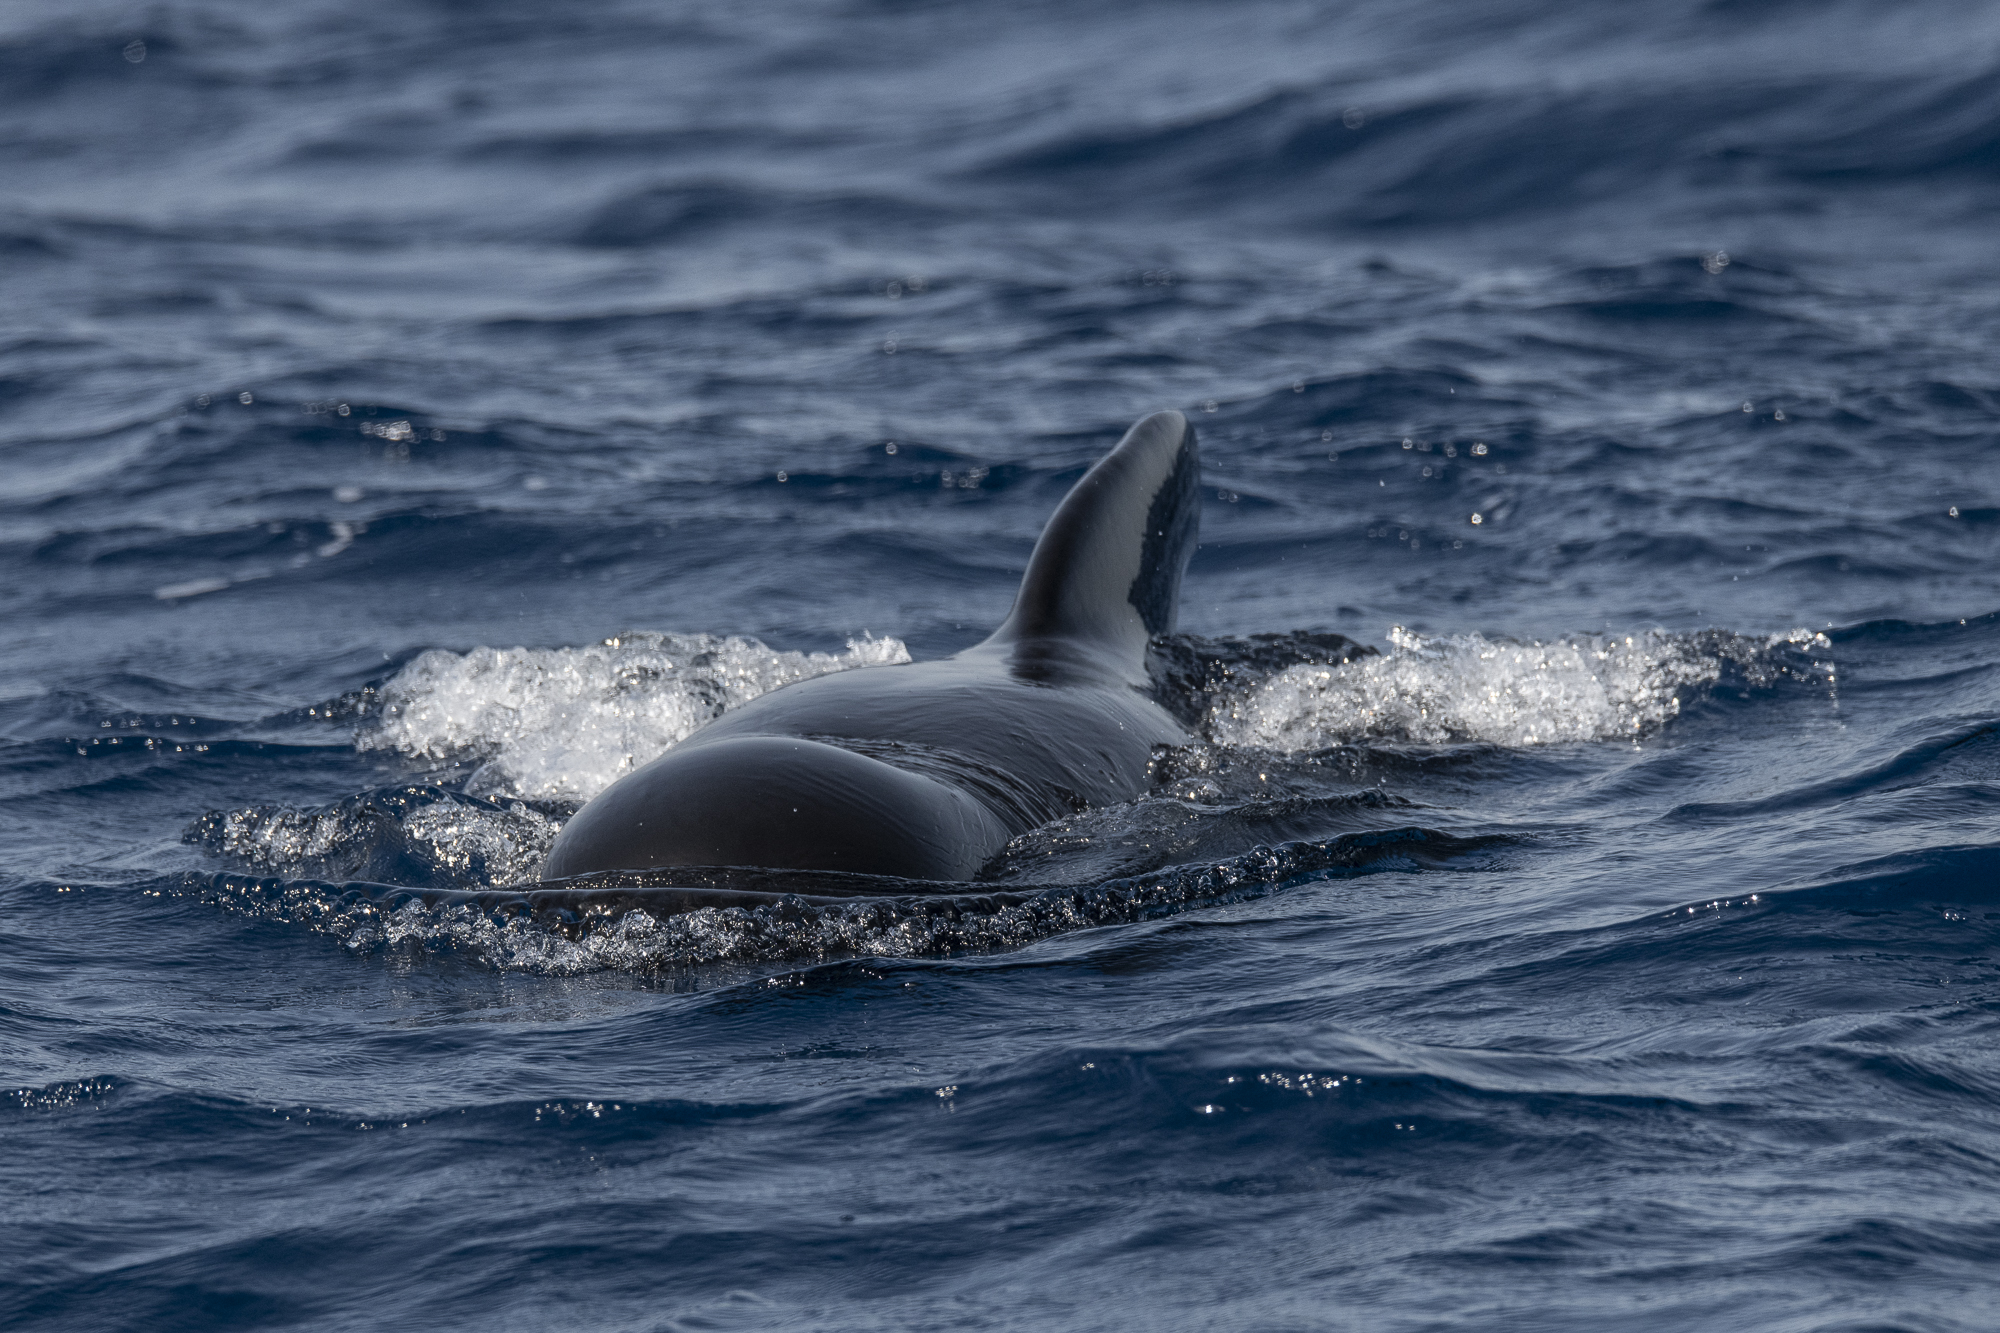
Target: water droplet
{"type": "Point", "coordinates": [135, 51]}
{"type": "Point", "coordinates": [1354, 118]}
{"type": "Point", "coordinates": [784, 476]}
{"type": "Point", "coordinates": [246, 398]}
{"type": "Point", "coordinates": [1477, 519]}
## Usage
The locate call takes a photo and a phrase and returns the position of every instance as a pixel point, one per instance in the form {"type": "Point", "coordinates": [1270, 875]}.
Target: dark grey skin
{"type": "Point", "coordinates": [926, 770]}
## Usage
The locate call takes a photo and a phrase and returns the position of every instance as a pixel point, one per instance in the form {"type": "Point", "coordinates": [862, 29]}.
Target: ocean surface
{"type": "Point", "coordinates": [414, 414]}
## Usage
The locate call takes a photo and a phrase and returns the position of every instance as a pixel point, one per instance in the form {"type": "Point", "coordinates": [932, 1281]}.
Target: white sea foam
{"type": "Point", "coordinates": [562, 724]}
{"type": "Point", "coordinates": [1469, 688]}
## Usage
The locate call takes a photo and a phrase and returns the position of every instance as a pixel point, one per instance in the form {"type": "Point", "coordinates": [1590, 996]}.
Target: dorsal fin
{"type": "Point", "coordinates": [1106, 573]}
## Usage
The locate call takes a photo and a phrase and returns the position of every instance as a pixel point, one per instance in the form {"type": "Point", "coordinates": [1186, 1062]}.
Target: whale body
{"type": "Point", "coordinates": [926, 770]}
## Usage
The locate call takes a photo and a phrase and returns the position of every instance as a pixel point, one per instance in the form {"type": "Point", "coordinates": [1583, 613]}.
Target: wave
{"type": "Point", "coordinates": [1489, 136]}
{"type": "Point", "coordinates": [1931, 879]}
{"type": "Point", "coordinates": [668, 213]}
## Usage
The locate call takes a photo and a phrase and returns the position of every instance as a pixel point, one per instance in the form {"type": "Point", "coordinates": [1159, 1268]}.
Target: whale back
{"type": "Point", "coordinates": [1106, 573]}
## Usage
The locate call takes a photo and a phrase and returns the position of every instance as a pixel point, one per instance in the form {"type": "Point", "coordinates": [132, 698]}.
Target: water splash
{"type": "Point", "coordinates": [1466, 687]}
{"type": "Point", "coordinates": [514, 935]}
{"type": "Point", "coordinates": [562, 724]}
{"type": "Point", "coordinates": [549, 728]}
{"type": "Point", "coordinates": [403, 835]}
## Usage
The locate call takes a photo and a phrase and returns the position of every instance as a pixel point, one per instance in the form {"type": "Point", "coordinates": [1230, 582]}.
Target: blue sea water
{"type": "Point", "coordinates": [411, 414]}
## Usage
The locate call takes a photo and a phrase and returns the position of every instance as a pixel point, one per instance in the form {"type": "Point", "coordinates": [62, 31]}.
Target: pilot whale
{"type": "Point", "coordinates": [925, 770]}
